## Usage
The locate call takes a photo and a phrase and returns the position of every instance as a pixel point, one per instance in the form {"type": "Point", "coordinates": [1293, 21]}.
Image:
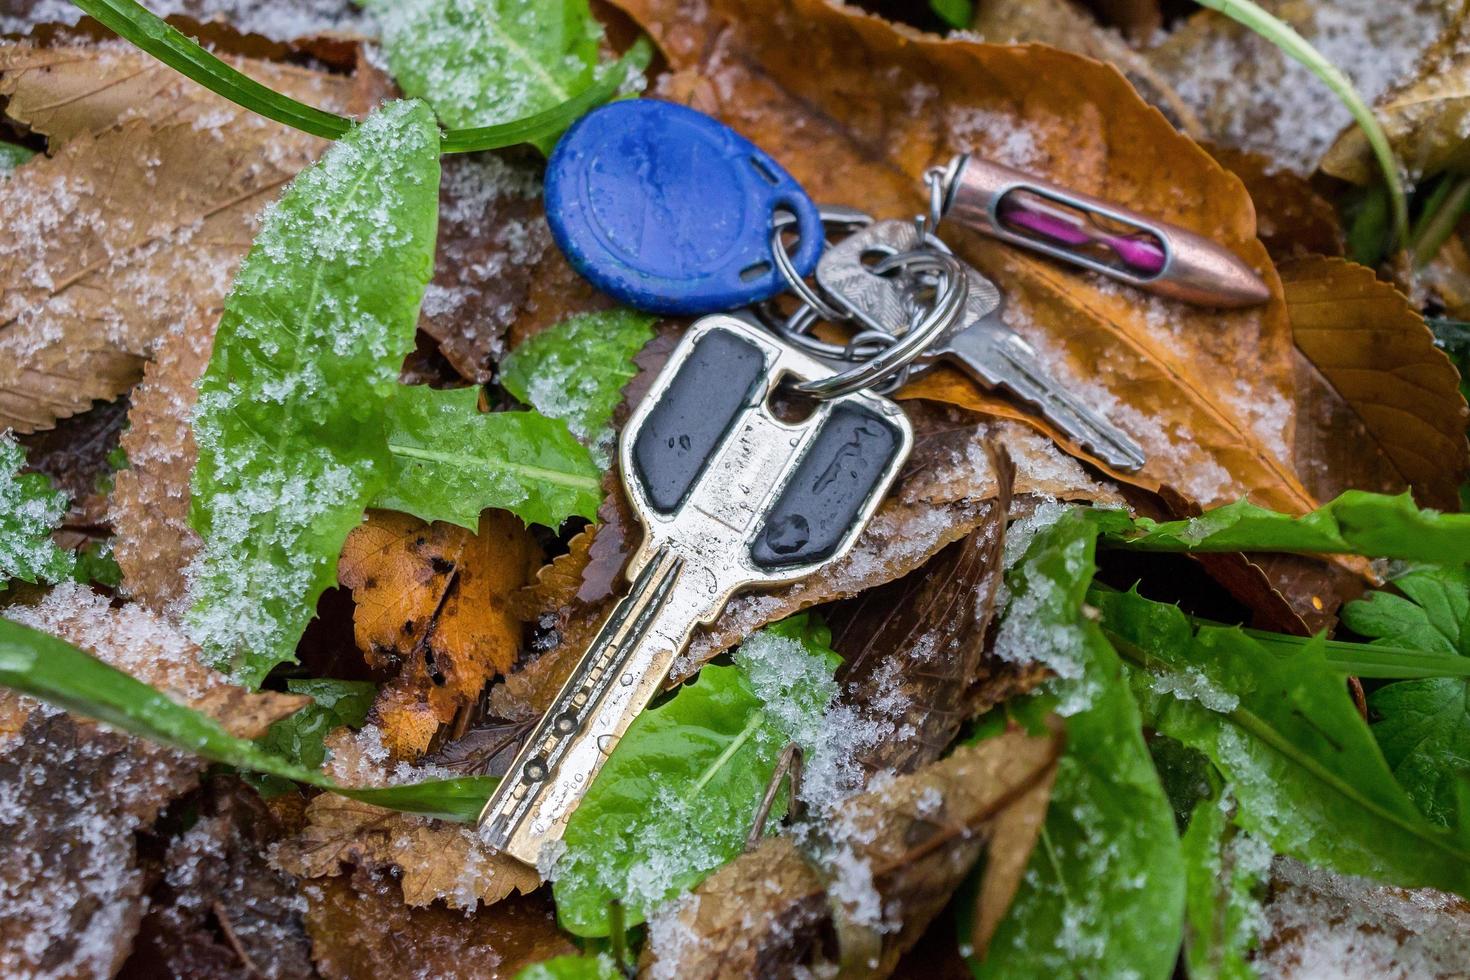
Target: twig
{"type": "Point", "coordinates": [223, 918]}
{"type": "Point", "coordinates": [788, 767]}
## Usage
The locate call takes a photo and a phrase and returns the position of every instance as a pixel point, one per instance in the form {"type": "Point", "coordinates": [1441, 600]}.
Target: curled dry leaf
{"type": "Point", "coordinates": [433, 859]}
{"type": "Point", "coordinates": [1376, 351]}
{"type": "Point", "coordinates": [360, 927]}
{"type": "Point", "coordinates": [434, 604]}
{"type": "Point", "coordinates": [1424, 116]}
{"type": "Point", "coordinates": [769, 912]}
{"type": "Point", "coordinates": [78, 794]}
{"type": "Point", "coordinates": [857, 109]}
{"type": "Point", "coordinates": [134, 225]}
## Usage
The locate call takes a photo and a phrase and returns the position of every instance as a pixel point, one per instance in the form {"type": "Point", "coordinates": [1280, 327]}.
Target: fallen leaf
{"type": "Point", "coordinates": [221, 910]}
{"type": "Point", "coordinates": [434, 603]}
{"type": "Point", "coordinates": [131, 226]}
{"type": "Point", "coordinates": [434, 860]}
{"type": "Point", "coordinates": [1291, 217]}
{"type": "Point", "coordinates": [769, 912]}
{"type": "Point", "coordinates": [914, 650]}
{"type": "Point", "coordinates": [558, 581]}
{"type": "Point", "coordinates": [362, 928]}
{"type": "Point", "coordinates": [79, 794]}
{"type": "Point", "coordinates": [1376, 351]}
{"type": "Point", "coordinates": [1424, 116]}
{"type": "Point", "coordinates": [1206, 392]}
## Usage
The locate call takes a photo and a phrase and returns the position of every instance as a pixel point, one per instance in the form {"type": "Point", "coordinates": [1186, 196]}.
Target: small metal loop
{"type": "Point", "coordinates": [934, 180]}
{"type": "Point", "coordinates": [953, 290]}
{"type": "Point", "coordinates": [832, 215]}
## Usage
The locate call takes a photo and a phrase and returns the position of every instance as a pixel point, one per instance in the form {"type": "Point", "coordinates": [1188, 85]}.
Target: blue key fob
{"type": "Point", "coordinates": [669, 210]}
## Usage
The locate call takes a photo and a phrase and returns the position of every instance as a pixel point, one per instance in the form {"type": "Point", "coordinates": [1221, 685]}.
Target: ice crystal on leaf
{"type": "Point", "coordinates": [29, 510]}
{"type": "Point", "coordinates": [290, 415]}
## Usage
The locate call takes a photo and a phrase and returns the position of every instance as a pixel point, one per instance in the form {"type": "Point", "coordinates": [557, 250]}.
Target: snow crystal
{"type": "Point", "coordinates": [671, 937]}
{"type": "Point", "coordinates": [997, 136]}
{"type": "Point", "coordinates": [280, 20]}
{"type": "Point", "coordinates": [27, 518]}
{"type": "Point", "coordinates": [1325, 926]}
{"type": "Point", "coordinates": [1255, 98]}
{"type": "Point", "coordinates": [1191, 684]}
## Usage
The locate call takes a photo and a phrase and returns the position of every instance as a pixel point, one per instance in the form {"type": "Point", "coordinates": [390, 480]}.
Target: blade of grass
{"type": "Point", "coordinates": [133, 22]}
{"type": "Point", "coordinates": [1441, 216]}
{"type": "Point", "coordinates": [1249, 14]}
{"type": "Point", "coordinates": [53, 670]}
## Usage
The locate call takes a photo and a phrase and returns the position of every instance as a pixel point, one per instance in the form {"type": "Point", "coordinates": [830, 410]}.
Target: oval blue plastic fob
{"type": "Point", "coordinates": [669, 210]}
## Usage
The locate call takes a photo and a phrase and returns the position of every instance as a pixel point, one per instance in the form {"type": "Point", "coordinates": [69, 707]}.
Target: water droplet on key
{"type": "Point", "coordinates": [788, 534]}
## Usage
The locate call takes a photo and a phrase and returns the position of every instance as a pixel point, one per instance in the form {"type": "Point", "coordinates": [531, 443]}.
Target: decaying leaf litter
{"type": "Point", "coordinates": [332, 425]}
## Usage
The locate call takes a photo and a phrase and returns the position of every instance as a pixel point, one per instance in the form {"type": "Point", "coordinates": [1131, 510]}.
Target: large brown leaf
{"type": "Point", "coordinates": [770, 911]}
{"type": "Point", "coordinates": [857, 109]}
{"type": "Point", "coordinates": [362, 928]}
{"type": "Point", "coordinates": [133, 225]}
{"type": "Point", "coordinates": [434, 604]}
{"type": "Point", "coordinates": [77, 794]}
{"type": "Point", "coordinates": [1373, 347]}
{"type": "Point", "coordinates": [434, 860]}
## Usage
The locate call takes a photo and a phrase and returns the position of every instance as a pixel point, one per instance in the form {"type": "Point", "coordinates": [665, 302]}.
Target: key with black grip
{"type": "Point", "coordinates": [731, 497]}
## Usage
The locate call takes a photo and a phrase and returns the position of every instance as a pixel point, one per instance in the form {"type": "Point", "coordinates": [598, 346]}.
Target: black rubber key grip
{"type": "Point", "coordinates": [679, 436]}
{"type": "Point", "coordinates": [834, 480]}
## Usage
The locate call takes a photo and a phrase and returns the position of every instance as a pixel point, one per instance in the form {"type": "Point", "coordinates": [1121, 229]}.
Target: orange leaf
{"type": "Point", "coordinates": [434, 602]}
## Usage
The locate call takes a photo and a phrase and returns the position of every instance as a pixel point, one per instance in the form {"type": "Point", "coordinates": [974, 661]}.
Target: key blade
{"type": "Point", "coordinates": [998, 358]}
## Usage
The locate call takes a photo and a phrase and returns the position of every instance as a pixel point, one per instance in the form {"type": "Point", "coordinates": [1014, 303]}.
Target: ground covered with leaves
{"type": "Point", "coordinates": [308, 505]}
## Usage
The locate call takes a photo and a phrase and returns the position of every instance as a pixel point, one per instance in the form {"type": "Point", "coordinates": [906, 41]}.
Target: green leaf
{"type": "Point", "coordinates": [48, 668]}
{"type": "Point", "coordinates": [290, 415]}
{"type": "Point", "coordinates": [1224, 871]}
{"type": "Point", "coordinates": [30, 509]}
{"type": "Point", "coordinates": [133, 22]}
{"type": "Point", "coordinates": [959, 14]}
{"type": "Point", "coordinates": [585, 967]}
{"type": "Point", "coordinates": [576, 370]}
{"type": "Point", "coordinates": [450, 461]}
{"type": "Point", "coordinates": [95, 565]}
{"type": "Point", "coordinates": [676, 798]}
{"type": "Point", "coordinates": [1424, 725]}
{"type": "Point", "coordinates": [1103, 894]}
{"type": "Point", "coordinates": [1371, 524]}
{"type": "Point", "coordinates": [1281, 727]}
{"type": "Point", "coordinates": [480, 62]}
{"type": "Point", "coordinates": [301, 738]}
{"type": "Point", "coordinates": [12, 156]}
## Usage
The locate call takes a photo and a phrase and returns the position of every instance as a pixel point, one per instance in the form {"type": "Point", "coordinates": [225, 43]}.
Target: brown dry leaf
{"type": "Point", "coordinates": [79, 794]}
{"type": "Point", "coordinates": [1447, 276]}
{"type": "Point", "coordinates": [434, 603]}
{"type": "Point", "coordinates": [1425, 117]}
{"type": "Point", "coordinates": [1291, 217]}
{"type": "Point", "coordinates": [768, 912]}
{"type": "Point", "coordinates": [857, 109]}
{"type": "Point", "coordinates": [919, 643]}
{"type": "Point", "coordinates": [134, 225]}
{"type": "Point", "coordinates": [558, 582]}
{"type": "Point", "coordinates": [221, 911]}
{"type": "Point", "coordinates": [1376, 351]}
{"type": "Point", "coordinates": [435, 860]}
{"type": "Point", "coordinates": [361, 928]}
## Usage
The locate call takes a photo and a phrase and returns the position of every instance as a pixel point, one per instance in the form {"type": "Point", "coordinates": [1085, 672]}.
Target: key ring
{"type": "Point", "coordinates": [837, 215]}
{"type": "Point", "coordinates": [954, 287]}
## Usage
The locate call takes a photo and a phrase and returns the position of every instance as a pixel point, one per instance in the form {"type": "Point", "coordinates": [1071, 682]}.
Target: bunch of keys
{"type": "Point", "coordinates": [671, 211]}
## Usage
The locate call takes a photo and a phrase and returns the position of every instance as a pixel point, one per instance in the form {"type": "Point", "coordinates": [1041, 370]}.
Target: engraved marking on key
{"type": "Point", "coordinates": [980, 343]}
{"type": "Point", "coordinates": [707, 467]}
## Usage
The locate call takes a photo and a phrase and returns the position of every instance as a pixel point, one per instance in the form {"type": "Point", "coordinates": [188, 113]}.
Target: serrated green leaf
{"type": "Point", "coordinates": [290, 415]}
{"type": "Point", "coordinates": [1281, 727]}
{"type": "Point", "coordinates": [586, 967]}
{"type": "Point", "coordinates": [95, 565]}
{"type": "Point", "coordinates": [576, 370]}
{"type": "Point", "coordinates": [1424, 725]}
{"type": "Point", "coordinates": [1103, 894]}
{"type": "Point", "coordinates": [1224, 871]}
{"type": "Point", "coordinates": [53, 670]}
{"type": "Point", "coordinates": [676, 798]}
{"type": "Point", "coordinates": [959, 14]}
{"type": "Point", "coordinates": [301, 737]}
{"type": "Point", "coordinates": [450, 461]}
{"type": "Point", "coordinates": [30, 509]}
{"type": "Point", "coordinates": [481, 62]}
{"type": "Point", "coordinates": [1374, 525]}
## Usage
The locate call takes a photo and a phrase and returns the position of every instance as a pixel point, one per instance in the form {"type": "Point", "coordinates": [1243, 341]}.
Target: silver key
{"type": "Point", "coordinates": [980, 343]}
{"type": "Point", "coordinates": [731, 497]}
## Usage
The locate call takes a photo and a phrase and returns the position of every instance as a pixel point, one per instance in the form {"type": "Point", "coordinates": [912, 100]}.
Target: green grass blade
{"type": "Point", "coordinates": [1249, 14]}
{"type": "Point", "coordinates": [53, 670]}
